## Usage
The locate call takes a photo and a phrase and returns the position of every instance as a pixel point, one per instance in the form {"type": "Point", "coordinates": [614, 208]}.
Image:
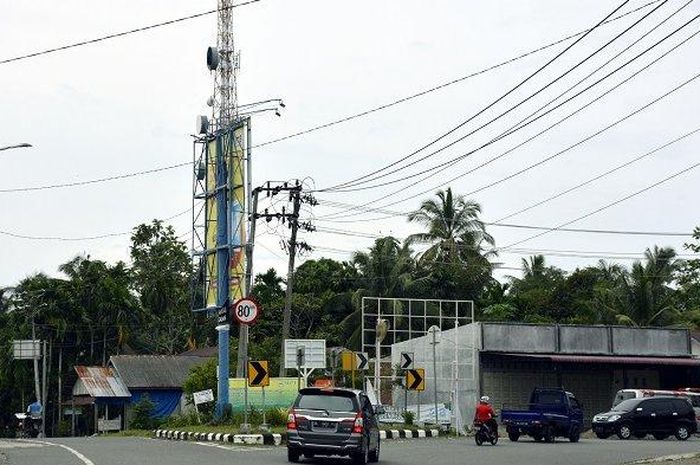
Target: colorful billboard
{"type": "Point", "coordinates": [231, 145]}
{"type": "Point", "coordinates": [280, 393]}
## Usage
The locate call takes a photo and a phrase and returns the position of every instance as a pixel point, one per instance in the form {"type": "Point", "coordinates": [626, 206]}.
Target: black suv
{"type": "Point", "coordinates": [658, 416]}
{"type": "Point", "coordinates": [332, 421]}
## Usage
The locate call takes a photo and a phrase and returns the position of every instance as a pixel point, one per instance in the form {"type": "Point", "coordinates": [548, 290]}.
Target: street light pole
{"type": "Point", "coordinates": [434, 329]}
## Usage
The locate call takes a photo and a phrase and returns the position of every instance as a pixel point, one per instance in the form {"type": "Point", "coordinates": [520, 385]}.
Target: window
{"type": "Point", "coordinates": [574, 403]}
{"type": "Point", "coordinates": [330, 403]}
{"type": "Point", "coordinates": [548, 398]}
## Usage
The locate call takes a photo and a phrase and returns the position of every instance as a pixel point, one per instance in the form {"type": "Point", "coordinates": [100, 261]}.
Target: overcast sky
{"type": "Point", "coordinates": [130, 104]}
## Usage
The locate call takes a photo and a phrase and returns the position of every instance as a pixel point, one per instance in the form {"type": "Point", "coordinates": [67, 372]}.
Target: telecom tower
{"type": "Point", "coordinates": [220, 197]}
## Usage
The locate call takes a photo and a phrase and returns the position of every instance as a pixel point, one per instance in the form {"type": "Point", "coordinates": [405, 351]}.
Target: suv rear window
{"type": "Point", "coordinates": [328, 402]}
{"type": "Point", "coordinates": [681, 406]}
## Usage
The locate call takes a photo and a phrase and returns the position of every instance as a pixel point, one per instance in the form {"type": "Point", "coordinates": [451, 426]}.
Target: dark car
{"type": "Point", "coordinates": [333, 421]}
{"type": "Point", "coordinates": [658, 416]}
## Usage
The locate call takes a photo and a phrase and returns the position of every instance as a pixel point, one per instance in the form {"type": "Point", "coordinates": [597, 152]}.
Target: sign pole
{"type": "Point", "coordinates": [264, 423]}
{"type": "Point", "coordinates": [418, 413]}
{"type": "Point", "coordinates": [245, 427]}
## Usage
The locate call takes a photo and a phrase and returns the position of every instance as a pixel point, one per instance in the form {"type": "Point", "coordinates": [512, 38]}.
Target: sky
{"type": "Point", "coordinates": [130, 104]}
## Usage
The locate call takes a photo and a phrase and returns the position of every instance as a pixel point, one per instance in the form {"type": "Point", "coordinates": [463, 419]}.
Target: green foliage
{"type": "Point", "coordinates": [142, 414]}
{"type": "Point", "coordinates": [186, 419]}
{"type": "Point", "coordinates": [201, 377]}
{"type": "Point", "coordinates": [408, 417]}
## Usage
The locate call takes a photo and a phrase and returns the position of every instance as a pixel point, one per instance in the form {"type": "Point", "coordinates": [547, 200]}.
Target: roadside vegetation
{"type": "Point", "coordinates": [91, 309]}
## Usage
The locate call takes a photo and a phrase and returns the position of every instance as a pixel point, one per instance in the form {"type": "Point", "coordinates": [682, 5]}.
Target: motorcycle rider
{"type": "Point", "coordinates": [485, 414]}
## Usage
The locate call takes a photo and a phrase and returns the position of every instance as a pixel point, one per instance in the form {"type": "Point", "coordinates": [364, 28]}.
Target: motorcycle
{"type": "Point", "coordinates": [27, 427]}
{"type": "Point", "coordinates": [484, 434]}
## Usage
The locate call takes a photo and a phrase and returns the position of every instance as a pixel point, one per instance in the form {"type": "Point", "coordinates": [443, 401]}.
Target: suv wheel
{"type": "Point", "coordinates": [292, 455]}
{"type": "Point", "coordinates": [374, 455]}
{"type": "Point", "coordinates": [362, 457]}
{"type": "Point", "coordinates": [682, 433]}
{"type": "Point", "coordinates": [624, 431]}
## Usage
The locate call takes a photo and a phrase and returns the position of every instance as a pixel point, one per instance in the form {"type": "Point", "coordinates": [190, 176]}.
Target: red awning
{"type": "Point", "coordinates": [612, 359]}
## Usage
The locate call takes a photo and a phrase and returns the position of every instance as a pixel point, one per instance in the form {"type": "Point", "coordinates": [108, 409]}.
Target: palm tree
{"type": "Point", "coordinates": [385, 271]}
{"type": "Point", "coordinates": [453, 227]}
{"type": "Point", "coordinates": [534, 267]}
{"type": "Point", "coordinates": [646, 293]}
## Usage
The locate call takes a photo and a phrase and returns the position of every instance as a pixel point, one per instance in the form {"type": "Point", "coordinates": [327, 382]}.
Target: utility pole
{"type": "Point", "coordinates": [37, 388]}
{"type": "Point", "coordinates": [290, 270]}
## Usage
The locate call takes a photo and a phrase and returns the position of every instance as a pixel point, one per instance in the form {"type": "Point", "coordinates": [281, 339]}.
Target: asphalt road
{"type": "Point", "coordinates": [135, 451]}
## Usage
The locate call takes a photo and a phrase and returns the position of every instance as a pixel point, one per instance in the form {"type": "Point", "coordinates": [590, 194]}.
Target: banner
{"type": "Point", "coordinates": [281, 393]}
{"type": "Point", "coordinates": [231, 144]}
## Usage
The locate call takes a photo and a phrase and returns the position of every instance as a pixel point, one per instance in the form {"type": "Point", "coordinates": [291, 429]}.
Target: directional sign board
{"type": "Point", "coordinates": [415, 379]}
{"type": "Point", "coordinates": [314, 353]}
{"type": "Point", "coordinates": [246, 311]}
{"type": "Point", "coordinates": [361, 361]}
{"type": "Point", "coordinates": [258, 373]}
{"type": "Point", "coordinates": [348, 360]}
{"type": "Point", "coordinates": [406, 360]}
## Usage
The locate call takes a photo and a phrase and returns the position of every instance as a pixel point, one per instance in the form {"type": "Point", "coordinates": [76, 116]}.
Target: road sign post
{"type": "Point", "coordinates": [258, 375]}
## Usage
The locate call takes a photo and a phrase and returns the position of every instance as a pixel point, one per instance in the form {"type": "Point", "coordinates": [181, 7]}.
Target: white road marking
{"type": "Point", "coordinates": [84, 459]}
{"type": "Point", "coordinates": [232, 448]}
{"type": "Point", "coordinates": [17, 445]}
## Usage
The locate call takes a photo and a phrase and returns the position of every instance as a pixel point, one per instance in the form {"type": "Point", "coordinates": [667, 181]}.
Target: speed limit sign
{"type": "Point", "coordinates": [246, 311]}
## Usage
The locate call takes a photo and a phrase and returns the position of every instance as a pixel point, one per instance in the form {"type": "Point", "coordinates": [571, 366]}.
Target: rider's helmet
{"type": "Point", "coordinates": [485, 399]}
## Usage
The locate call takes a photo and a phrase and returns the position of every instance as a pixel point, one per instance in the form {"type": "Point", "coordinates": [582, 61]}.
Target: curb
{"type": "Point", "coordinates": [266, 439]}
{"type": "Point", "coordinates": [275, 439]}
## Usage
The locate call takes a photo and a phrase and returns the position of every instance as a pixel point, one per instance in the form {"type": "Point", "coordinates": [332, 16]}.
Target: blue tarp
{"type": "Point", "coordinates": [165, 400]}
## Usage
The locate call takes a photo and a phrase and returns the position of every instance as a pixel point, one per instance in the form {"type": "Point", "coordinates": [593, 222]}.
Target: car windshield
{"type": "Point", "coordinates": [626, 405]}
{"type": "Point", "coordinates": [328, 403]}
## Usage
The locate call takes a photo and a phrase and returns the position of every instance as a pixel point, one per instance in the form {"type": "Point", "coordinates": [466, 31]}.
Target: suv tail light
{"type": "Point", "coordinates": [291, 420]}
{"type": "Point", "coordinates": [359, 423]}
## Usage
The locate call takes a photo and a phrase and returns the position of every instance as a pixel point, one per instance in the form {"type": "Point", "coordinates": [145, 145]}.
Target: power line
{"type": "Point", "coordinates": [448, 83]}
{"type": "Point", "coordinates": [599, 176]}
{"type": "Point", "coordinates": [580, 142]}
{"type": "Point", "coordinates": [83, 238]}
{"type": "Point", "coordinates": [344, 186]}
{"type": "Point", "coordinates": [121, 34]}
{"type": "Point", "coordinates": [93, 181]}
{"type": "Point", "coordinates": [605, 207]}
{"type": "Point", "coordinates": [315, 128]}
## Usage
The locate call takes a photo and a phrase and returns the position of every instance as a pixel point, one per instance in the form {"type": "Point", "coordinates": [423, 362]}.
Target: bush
{"type": "Point", "coordinates": [186, 419]}
{"type": "Point", "coordinates": [408, 417]}
{"type": "Point", "coordinates": [276, 417]}
{"type": "Point", "coordinates": [143, 414]}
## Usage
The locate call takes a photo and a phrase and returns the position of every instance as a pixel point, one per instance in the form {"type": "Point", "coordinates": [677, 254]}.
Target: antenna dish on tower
{"type": "Point", "coordinates": [212, 58]}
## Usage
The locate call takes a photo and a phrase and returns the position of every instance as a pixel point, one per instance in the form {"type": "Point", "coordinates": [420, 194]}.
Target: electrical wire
{"type": "Point", "coordinates": [580, 142]}
{"type": "Point", "coordinates": [599, 176]}
{"type": "Point", "coordinates": [344, 186]}
{"type": "Point", "coordinates": [604, 207]}
{"type": "Point", "coordinates": [83, 238]}
{"type": "Point", "coordinates": [121, 34]}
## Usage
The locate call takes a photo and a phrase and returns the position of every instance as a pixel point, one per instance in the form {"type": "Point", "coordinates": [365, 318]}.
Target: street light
{"type": "Point", "coordinates": [18, 146]}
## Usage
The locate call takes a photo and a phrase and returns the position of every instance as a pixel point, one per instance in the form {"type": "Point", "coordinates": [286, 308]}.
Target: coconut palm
{"type": "Point", "coordinates": [453, 228]}
{"type": "Point", "coordinates": [646, 293]}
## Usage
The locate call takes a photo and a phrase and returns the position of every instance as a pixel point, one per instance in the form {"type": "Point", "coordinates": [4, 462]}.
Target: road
{"type": "Point", "coordinates": [137, 451]}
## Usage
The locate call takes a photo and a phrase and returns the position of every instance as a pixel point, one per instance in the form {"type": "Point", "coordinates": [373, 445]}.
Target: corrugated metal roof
{"type": "Point", "coordinates": [613, 359]}
{"type": "Point", "coordinates": [99, 382]}
{"type": "Point", "coordinates": [154, 371]}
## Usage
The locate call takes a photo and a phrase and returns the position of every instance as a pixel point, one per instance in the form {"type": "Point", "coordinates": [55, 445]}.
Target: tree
{"type": "Point", "coordinates": [533, 294]}
{"type": "Point", "coordinates": [450, 222]}
{"type": "Point", "coordinates": [647, 296]}
{"type": "Point", "coordinates": [162, 271]}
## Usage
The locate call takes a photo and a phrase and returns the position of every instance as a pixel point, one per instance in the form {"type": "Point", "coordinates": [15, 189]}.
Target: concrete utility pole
{"type": "Point", "coordinates": [434, 330]}
{"type": "Point", "coordinates": [294, 222]}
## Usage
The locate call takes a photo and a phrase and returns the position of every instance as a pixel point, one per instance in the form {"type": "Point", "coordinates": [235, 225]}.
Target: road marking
{"type": "Point", "coordinates": [84, 459]}
{"type": "Point", "coordinates": [17, 445]}
{"type": "Point", "coordinates": [233, 448]}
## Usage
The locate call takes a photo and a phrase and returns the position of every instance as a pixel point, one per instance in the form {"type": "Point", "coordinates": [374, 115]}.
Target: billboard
{"type": "Point", "coordinates": [281, 393]}
{"type": "Point", "coordinates": [231, 145]}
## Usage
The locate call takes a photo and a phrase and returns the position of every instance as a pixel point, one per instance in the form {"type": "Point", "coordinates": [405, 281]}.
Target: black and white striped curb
{"type": "Point", "coordinates": [274, 439]}
{"type": "Point", "coordinates": [409, 433]}
{"type": "Point", "coordinates": [267, 439]}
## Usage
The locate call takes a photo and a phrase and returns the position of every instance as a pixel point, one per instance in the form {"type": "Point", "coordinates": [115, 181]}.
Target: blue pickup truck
{"type": "Point", "coordinates": [552, 413]}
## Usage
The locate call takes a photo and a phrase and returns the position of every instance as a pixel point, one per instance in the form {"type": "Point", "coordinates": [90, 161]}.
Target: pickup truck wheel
{"type": "Point", "coordinates": [513, 436]}
{"type": "Point", "coordinates": [624, 431]}
{"type": "Point", "coordinates": [549, 434]}
{"type": "Point", "coordinates": [575, 434]}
